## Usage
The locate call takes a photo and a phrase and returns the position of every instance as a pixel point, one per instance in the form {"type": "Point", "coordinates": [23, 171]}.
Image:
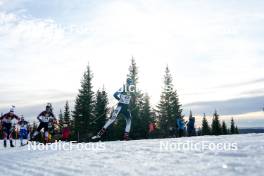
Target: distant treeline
{"type": "Point", "coordinates": [217, 128]}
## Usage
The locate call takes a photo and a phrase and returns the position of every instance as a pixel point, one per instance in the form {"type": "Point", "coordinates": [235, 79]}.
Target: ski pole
{"type": "Point", "coordinates": [99, 116]}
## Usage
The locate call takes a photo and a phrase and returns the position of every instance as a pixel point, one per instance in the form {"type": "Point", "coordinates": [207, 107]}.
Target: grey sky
{"type": "Point", "coordinates": [214, 50]}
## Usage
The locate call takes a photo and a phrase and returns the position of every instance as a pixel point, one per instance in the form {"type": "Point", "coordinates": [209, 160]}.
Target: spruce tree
{"type": "Point", "coordinates": [205, 126]}
{"type": "Point", "coordinates": [66, 114]}
{"type": "Point", "coordinates": [169, 107]}
{"type": "Point", "coordinates": [146, 117]}
{"type": "Point", "coordinates": [216, 126]}
{"type": "Point", "coordinates": [236, 130]}
{"type": "Point", "coordinates": [224, 128]}
{"type": "Point", "coordinates": [232, 128]}
{"type": "Point", "coordinates": [84, 108]}
{"type": "Point", "coordinates": [101, 111]}
{"type": "Point", "coordinates": [136, 104]}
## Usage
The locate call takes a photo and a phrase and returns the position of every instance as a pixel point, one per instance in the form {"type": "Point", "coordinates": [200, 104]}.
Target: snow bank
{"type": "Point", "coordinates": [143, 157]}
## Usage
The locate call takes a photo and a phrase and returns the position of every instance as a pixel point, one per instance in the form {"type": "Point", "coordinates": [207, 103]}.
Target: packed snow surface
{"type": "Point", "coordinates": [237, 155]}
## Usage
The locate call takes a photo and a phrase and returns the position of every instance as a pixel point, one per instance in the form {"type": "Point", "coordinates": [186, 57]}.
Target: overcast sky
{"type": "Point", "coordinates": [214, 50]}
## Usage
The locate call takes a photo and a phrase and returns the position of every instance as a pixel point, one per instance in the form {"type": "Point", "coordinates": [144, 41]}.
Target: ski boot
{"type": "Point", "coordinates": [126, 136]}
{"type": "Point", "coordinates": [11, 143]}
{"type": "Point", "coordinates": [4, 143]}
{"type": "Point", "coordinates": [99, 135]}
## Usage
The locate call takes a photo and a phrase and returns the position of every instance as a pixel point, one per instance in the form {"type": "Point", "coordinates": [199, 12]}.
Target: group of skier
{"type": "Point", "coordinates": [45, 118]}
{"type": "Point", "coordinates": [181, 127]}
{"type": "Point", "coordinates": [8, 126]}
{"type": "Point", "coordinates": [123, 95]}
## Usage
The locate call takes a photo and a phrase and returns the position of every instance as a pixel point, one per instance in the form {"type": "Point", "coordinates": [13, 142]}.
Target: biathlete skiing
{"type": "Point", "coordinates": [23, 132]}
{"type": "Point", "coordinates": [123, 95]}
{"type": "Point", "coordinates": [44, 118]}
{"type": "Point", "coordinates": [6, 122]}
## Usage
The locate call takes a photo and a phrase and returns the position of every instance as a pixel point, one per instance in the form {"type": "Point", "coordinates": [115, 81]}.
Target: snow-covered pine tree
{"type": "Point", "coordinates": [169, 107]}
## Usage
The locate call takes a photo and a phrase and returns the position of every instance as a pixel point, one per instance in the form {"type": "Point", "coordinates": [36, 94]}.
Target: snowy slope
{"type": "Point", "coordinates": [142, 157]}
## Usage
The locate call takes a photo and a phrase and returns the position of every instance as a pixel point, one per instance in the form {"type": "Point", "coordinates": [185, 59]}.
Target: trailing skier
{"type": "Point", "coordinates": [123, 95]}
{"type": "Point", "coordinates": [191, 127]}
{"type": "Point", "coordinates": [6, 121]}
{"type": "Point", "coordinates": [44, 118]}
{"type": "Point", "coordinates": [180, 126]}
{"type": "Point", "coordinates": [23, 132]}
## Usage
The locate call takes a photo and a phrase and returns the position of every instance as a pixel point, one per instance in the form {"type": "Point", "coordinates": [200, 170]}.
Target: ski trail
{"type": "Point", "coordinates": [142, 157]}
